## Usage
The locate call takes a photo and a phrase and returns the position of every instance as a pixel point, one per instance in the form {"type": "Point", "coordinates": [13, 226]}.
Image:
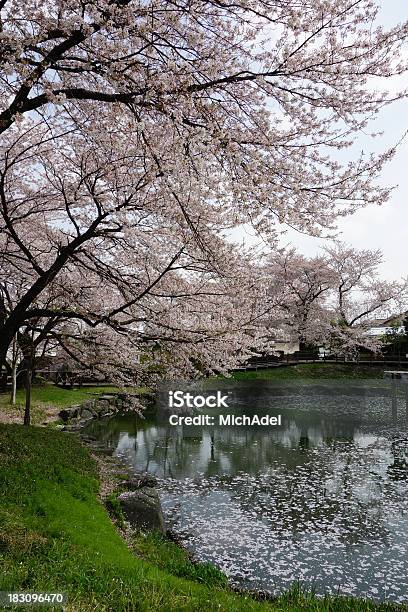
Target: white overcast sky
{"type": "Point", "coordinates": [384, 227]}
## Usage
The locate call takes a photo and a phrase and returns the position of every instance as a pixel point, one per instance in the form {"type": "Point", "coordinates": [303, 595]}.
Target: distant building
{"type": "Point", "coordinates": [287, 346]}
{"type": "Point", "coordinates": [284, 340]}
{"type": "Point", "coordinates": [393, 324]}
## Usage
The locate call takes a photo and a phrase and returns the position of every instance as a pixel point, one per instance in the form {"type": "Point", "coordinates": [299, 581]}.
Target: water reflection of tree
{"type": "Point", "coordinates": [166, 452]}
{"type": "Point", "coordinates": [178, 452]}
{"type": "Point", "coordinates": [108, 431]}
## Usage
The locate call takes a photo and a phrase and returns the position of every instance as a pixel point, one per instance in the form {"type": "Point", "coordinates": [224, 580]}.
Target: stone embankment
{"type": "Point", "coordinates": [139, 499]}
{"type": "Point", "coordinates": [137, 493]}
{"type": "Point", "coordinates": [101, 406]}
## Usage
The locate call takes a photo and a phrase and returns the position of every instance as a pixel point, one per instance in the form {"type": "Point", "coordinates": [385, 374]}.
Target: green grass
{"type": "Point", "coordinates": [314, 371]}
{"type": "Point", "coordinates": [49, 398]}
{"type": "Point", "coordinates": [55, 535]}
{"type": "Point", "coordinates": [173, 559]}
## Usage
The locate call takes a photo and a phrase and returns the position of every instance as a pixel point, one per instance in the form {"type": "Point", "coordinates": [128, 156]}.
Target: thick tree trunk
{"type": "Point", "coordinates": [9, 326]}
{"type": "Point", "coordinates": [3, 354]}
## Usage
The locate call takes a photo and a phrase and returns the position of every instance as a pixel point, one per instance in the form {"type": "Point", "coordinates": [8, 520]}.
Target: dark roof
{"type": "Point", "coordinates": [397, 318]}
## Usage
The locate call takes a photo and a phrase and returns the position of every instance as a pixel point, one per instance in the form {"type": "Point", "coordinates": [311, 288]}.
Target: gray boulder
{"type": "Point", "coordinates": [68, 413]}
{"type": "Point", "coordinates": [138, 481]}
{"type": "Point", "coordinates": [142, 509]}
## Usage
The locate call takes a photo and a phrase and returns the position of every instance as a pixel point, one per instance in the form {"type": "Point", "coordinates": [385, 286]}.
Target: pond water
{"type": "Point", "coordinates": [322, 499]}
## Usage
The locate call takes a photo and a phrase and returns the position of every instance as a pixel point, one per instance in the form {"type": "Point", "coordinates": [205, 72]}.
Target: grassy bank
{"type": "Point", "coordinates": [315, 371]}
{"type": "Point", "coordinates": [56, 536]}
{"type": "Point", "coordinates": [47, 400]}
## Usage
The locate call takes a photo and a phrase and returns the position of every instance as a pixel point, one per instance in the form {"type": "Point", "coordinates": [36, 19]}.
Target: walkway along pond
{"type": "Point", "coordinates": [322, 499]}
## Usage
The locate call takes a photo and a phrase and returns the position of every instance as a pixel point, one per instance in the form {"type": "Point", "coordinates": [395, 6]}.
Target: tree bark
{"type": "Point", "coordinates": [27, 347]}
{"type": "Point", "coordinates": [27, 409]}
{"type": "Point", "coordinates": [13, 384]}
{"type": "Point", "coordinates": [14, 372]}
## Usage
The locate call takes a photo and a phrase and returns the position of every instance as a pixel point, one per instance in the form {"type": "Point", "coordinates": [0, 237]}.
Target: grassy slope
{"type": "Point", "coordinates": [56, 536]}
{"type": "Point", "coordinates": [315, 371]}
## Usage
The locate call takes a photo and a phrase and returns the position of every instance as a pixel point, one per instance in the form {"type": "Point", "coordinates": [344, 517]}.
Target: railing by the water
{"type": "Point", "coordinates": [62, 379]}
{"type": "Point", "coordinates": [259, 363]}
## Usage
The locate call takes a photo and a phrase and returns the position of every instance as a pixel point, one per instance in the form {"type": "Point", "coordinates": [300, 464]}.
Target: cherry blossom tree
{"type": "Point", "coordinates": [332, 299]}
{"type": "Point", "coordinates": [305, 285]}
{"type": "Point", "coordinates": [134, 136]}
{"type": "Point", "coordinates": [359, 294]}
{"type": "Point", "coordinates": [188, 314]}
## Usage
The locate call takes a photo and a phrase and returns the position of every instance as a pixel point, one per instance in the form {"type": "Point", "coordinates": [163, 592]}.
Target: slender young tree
{"type": "Point", "coordinates": [14, 359]}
